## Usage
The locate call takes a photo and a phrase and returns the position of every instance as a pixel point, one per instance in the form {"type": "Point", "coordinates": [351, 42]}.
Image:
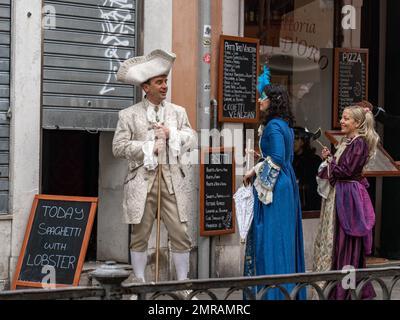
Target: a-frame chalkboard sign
{"type": "Point", "coordinates": [217, 186]}
{"type": "Point", "coordinates": [55, 242]}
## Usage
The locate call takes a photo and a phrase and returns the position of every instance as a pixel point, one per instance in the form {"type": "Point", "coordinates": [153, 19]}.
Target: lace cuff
{"type": "Point", "coordinates": [323, 185]}
{"type": "Point", "coordinates": [267, 174]}
{"type": "Point", "coordinates": [150, 160]}
{"type": "Point", "coordinates": [174, 142]}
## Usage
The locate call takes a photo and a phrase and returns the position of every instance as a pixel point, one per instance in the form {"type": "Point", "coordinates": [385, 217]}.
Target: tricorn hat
{"type": "Point", "coordinates": [303, 133]}
{"type": "Point", "coordinates": [138, 70]}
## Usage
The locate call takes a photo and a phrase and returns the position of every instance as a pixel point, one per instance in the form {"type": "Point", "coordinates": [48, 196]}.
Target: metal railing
{"type": "Point", "coordinates": [265, 283]}
{"type": "Point", "coordinates": [111, 287]}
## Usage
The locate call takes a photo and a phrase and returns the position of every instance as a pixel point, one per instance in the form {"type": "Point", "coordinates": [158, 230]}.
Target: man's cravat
{"type": "Point", "coordinates": [156, 108]}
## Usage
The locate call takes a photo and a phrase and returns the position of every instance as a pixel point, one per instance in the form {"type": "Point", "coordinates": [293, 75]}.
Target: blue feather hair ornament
{"type": "Point", "coordinates": [264, 80]}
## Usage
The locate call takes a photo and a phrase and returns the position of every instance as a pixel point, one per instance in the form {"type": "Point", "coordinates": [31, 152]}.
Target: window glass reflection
{"type": "Point", "coordinates": [296, 37]}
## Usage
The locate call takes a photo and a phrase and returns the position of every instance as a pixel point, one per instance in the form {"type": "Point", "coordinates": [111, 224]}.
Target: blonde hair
{"type": "Point", "coordinates": [366, 127]}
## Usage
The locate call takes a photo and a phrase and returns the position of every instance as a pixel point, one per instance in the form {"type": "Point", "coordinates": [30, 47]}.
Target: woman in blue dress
{"type": "Point", "coordinates": [275, 240]}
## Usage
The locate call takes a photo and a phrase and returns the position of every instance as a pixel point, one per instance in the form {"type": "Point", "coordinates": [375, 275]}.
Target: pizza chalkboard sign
{"type": "Point", "coordinates": [237, 85]}
{"type": "Point", "coordinates": [350, 80]}
{"type": "Point", "coordinates": [217, 185]}
{"type": "Point", "coordinates": [55, 242]}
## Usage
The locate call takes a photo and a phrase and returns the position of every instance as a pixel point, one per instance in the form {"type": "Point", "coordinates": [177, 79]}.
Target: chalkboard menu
{"type": "Point", "coordinates": [55, 242]}
{"type": "Point", "coordinates": [217, 176]}
{"type": "Point", "coordinates": [350, 80]}
{"type": "Point", "coordinates": [237, 86]}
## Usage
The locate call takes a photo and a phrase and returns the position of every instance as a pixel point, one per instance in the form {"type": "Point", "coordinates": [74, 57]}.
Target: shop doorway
{"type": "Point", "coordinates": [390, 239]}
{"type": "Point", "coordinates": [70, 167]}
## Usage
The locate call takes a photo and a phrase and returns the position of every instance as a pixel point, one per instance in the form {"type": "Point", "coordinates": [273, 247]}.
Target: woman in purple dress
{"type": "Point", "coordinates": [344, 235]}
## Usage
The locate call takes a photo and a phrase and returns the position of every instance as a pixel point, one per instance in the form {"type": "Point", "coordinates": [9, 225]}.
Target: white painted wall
{"type": "Point", "coordinates": [25, 91]}
{"type": "Point", "coordinates": [158, 27]}
{"type": "Point", "coordinates": [112, 232]}
{"type": "Point", "coordinates": [232, 17]}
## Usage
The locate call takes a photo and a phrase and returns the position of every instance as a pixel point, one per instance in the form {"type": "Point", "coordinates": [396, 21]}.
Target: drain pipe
{"type": "Point", "coordinates": [203, 113]}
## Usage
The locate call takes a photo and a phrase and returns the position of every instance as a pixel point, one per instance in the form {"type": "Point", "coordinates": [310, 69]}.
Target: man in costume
{"type": "Point", "coordinates": [152, 134]}
{"type": "Point", "coordinates": [305, 165]}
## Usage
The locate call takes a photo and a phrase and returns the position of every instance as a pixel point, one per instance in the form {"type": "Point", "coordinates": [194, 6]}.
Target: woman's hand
{"type": "Point", "coordinates": [325, 154]}
{"type": "Point", "coordinates": [248, 177]}
{"type": "Point", "coordinates": [251, 152]}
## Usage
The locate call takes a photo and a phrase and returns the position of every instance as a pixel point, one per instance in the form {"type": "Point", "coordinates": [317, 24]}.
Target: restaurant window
{"type": "Point", "coordinates": [296, 41]}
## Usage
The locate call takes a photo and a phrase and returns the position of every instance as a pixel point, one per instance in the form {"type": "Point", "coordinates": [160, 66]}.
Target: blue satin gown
{"type": "Point", "coordinates": [275, 240]}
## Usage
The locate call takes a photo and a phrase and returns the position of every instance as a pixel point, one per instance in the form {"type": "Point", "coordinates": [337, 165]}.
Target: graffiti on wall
{"type": "Point", "coordinates": [115, 14]}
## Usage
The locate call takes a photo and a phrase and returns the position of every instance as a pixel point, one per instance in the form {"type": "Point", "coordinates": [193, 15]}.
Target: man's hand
{"type": "Point", "coordinates": [161, 131]}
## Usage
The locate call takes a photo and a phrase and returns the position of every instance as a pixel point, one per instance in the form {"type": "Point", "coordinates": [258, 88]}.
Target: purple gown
{"type": "Point", "coordinates": [355, 216]}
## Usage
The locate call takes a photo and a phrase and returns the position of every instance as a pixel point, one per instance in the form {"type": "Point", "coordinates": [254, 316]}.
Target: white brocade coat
{"type": "Point", "coordinates": [129, 137]}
